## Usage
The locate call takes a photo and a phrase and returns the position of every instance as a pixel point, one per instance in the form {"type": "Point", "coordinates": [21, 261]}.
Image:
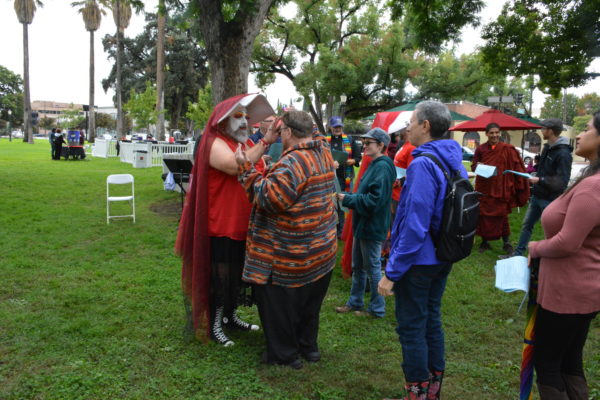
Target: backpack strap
{"type": "Point", "coordinates": [437, 162]}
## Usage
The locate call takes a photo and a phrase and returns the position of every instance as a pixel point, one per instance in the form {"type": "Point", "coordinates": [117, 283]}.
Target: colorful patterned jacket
{"type": "Point", "coordinates": [292, 232]}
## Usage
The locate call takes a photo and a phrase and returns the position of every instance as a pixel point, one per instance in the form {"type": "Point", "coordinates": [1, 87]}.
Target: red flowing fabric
{"type": "Point", "coordinates": [193, 243]}
{"type": "Point", "coordinates": [347, 236]}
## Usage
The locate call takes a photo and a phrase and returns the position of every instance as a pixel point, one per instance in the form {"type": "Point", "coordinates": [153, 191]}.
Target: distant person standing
{"type": "Point", "coordinates": [501, 192]}
{"type": "Point", "coordinates": [262, 129]}
{"type": "Point", "coordinates": [59, 140]}
{"type": "Point", "coordinates": [339, 141]}
{"type": "Point", "coordinates": [551, 180]}
{"type": "Point", "coordinates": [370, 224]}
{"type": "Point", "coordinates": [51, 140]}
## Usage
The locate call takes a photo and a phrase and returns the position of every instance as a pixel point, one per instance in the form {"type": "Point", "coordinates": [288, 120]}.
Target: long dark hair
{"type": "Point", "coordinates": [594, 167]}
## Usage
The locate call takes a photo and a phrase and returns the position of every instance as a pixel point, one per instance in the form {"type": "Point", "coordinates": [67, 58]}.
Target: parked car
{"type": "Point", "coordinates": [467, 154]}
{"type": "Point", "coordinates": [527, 156]}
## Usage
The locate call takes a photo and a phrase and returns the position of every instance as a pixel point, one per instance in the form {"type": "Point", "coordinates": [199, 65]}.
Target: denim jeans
{"type": "Point", "coordinates": [366, 260]}
{"type": "Point", "coordinates": [533, 214]}
{"type": "Point", "coordinates": [418, 314]}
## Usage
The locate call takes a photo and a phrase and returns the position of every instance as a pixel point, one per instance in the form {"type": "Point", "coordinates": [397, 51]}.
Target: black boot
{"type": "Point", "coordinates": [216, 331]}
{"type": "Point", "coordinates": [237, 323]}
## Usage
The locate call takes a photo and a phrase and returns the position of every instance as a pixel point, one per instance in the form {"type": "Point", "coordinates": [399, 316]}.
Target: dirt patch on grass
{"type": "Point", "coordinates": [168, 209]}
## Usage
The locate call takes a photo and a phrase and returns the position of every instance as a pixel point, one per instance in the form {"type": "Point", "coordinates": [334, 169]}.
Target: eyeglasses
{"type": "Point", "coordinates": [368, 142]}
{"type": "Point", "coordinates": [240, 114]}
{"type": "Point", "coordinates": [268, 121]}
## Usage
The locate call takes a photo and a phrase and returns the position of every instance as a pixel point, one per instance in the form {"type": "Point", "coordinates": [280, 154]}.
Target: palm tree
{"type": "Point", "coordinates": [122, 15]}
{"type": "Point", "coordinates": [25, 10]}
{"type": "Point", "coordinates": [92, 16]}
{"type": "Point", "coordinates": [161, 19]}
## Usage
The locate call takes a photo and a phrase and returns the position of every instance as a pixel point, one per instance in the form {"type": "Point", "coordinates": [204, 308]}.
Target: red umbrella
{"type": "Point", "coordinates": [506, 122]}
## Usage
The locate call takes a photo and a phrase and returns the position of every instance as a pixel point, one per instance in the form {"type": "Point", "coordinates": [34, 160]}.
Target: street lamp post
{"type": "Point", "coordinates": [343, 99]}
{"type": "Point", "coordinates": [8, 124]}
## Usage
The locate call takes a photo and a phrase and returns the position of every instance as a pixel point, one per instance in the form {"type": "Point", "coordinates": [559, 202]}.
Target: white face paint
{"type": "Point", "coordinates": [237, 125]}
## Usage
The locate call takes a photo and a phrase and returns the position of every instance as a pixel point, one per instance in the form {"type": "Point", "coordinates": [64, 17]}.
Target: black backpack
{"type": "Point", "coordinates": [459, 219]}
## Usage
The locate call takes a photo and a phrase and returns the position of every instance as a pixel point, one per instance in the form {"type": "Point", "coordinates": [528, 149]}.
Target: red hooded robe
{"type": "Point", "coordinates": [193, 241]}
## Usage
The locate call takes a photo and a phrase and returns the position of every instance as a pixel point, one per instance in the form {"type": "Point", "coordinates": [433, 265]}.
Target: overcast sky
{"type": "Point", "coordinates": [59, 53]}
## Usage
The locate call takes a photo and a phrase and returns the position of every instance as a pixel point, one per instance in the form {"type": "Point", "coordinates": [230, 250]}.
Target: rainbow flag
{"type": "Point", "coordinates": [526, 386]}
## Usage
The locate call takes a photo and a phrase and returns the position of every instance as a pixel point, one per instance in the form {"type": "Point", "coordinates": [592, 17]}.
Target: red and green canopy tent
{"type": "Point", "coordinates": [397, 118]}
{"type": "Point", "coordinates": [506, 122]}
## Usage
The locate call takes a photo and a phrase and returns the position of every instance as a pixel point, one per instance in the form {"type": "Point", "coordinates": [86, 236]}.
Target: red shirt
{"type": "Point", "coordinates": [229, 208]}
{"type": "Point", "coordinates": [402, 159]}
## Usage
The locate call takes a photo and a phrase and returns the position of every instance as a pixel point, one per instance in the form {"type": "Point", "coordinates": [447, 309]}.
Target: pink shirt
{"type": "Point", "coordinates": [569, 281]}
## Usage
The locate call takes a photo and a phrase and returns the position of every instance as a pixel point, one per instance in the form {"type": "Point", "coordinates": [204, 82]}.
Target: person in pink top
{"type": "Point", "coordinates": [569, 277]}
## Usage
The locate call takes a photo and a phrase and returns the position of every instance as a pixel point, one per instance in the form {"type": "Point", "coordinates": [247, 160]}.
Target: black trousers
{"type": "Point", "coordinates": [57, 150]}
{"type": "Point", "coordinates": [227, 264]}
{"type": "Point", "coordinates": [559, 341]}
{"type": "Point", "coordinates": [290, 318]}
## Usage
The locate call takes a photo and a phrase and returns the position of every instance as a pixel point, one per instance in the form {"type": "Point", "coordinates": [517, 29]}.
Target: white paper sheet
{"type": "Point", "coordinates": [512, 274]}
{"type": "Point", "coordinates": [485, 171]}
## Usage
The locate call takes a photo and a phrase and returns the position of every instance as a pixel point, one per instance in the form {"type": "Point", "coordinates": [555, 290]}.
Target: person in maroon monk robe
{"type": "Point", "coordinates": [501, 192]}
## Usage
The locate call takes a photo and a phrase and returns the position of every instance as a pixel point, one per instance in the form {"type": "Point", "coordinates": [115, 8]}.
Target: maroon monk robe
{"type": "Point", "coordinates": [501, 192]}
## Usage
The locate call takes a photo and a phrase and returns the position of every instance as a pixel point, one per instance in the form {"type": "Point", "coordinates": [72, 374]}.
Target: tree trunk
{"type": "Point", "coordinates": [160, 69]}
{"type": "Point", "coordinates": [91, 112]}
{"type": "Point", "coordinates": [120, 132]}
{"type": "Point", "coordinates": [229, 45]}
{"type": "Point", "coordinates": [27, 127]}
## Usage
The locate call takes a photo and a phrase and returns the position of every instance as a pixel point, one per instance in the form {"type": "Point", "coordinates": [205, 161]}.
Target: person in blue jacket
{"type": "Point", "coordinates": [370, 224]}
{"type": "Point", "coordinates": [413, 273]}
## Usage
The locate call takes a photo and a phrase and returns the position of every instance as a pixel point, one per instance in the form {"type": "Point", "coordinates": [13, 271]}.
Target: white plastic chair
{"type": "Point", "coordinates": [119, 179]}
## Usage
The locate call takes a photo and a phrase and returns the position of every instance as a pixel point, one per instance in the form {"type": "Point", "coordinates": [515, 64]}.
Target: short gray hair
{"type": "Point", "coordinates": [299, 122]}
{"type": "Point", "coordinates": [438, 116]}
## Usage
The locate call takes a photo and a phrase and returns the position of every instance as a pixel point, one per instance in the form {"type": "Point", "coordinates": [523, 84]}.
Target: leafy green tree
{"type": "Point", "coordinates": [554, 107]}
{"type": "Point", "coordinates": [200, 111]}
{"type": "Point", "coordinates": [104, 120]}
{"type": "Point", "coordinates": [554, 39]}
{"type": "Point", "coordinates": [580, 122]}
{"type": "Point", "coordinates": [345, 49]}
{"type": "Point", "coordinates": [71, 118]}
{"type": "Point", "coordinates": [429, 24]}
{"type": "Point", "coordinates": [588, 104]}
{"type": "Point", "coordinates": [47, 123]}
{"type": "Point", "coordinates": [11, 98]}
{"type": "Point", "coordinates": [142, 107]}
{"type": "Point", "coordinates": [25, 10]}
{"type": "Point", "coordinates": [185, 71]}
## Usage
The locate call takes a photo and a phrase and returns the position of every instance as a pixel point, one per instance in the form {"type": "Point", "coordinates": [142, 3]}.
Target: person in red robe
{"type": "Point", "coordinates": [501, 192]}
{"type": "Point", "coordinates": [214, 222]}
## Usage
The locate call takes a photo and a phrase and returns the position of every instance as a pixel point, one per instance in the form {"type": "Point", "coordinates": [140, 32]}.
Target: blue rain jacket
{"type": "Point", "coordinates": [420, 209]}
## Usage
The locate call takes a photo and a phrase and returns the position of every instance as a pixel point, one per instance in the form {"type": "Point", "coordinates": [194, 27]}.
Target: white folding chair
{"type": "Point", "coordinates": [119, 179]}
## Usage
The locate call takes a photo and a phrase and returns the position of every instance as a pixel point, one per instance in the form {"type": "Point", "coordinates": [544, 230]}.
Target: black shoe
{"type": "Point", "coordinates": [312, 356]}
{"type": "Point", "coordinates": [508, 248]}
{"type": "Point", "coordinates": [237, 323]}
{"type": "Point", "coordinates": [296, 364]}
{"type": "Point", "coordinates": [484, 246]}
{"type": "Point", "coordinates": [216, 332]}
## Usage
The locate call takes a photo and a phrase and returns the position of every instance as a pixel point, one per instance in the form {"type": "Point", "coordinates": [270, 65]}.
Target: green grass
{"type": "Point", "coordinates": [94, 311]}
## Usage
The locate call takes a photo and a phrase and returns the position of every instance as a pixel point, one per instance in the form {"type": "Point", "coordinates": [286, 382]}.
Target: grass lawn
{"type": "Point", "coordinates": [94, 311]}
